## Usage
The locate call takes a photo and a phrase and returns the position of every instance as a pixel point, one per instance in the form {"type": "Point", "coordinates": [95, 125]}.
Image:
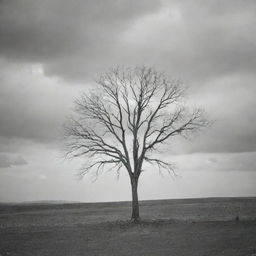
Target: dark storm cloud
{"type": "Point", "coordinates": [208, 44]}
{"type": "Point", "coordinates": [71, 38]}
{"type": "Point", "coordinates": [75, 39]}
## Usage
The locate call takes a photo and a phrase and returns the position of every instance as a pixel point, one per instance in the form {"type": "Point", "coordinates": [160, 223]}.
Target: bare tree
{"type": "Point", "coordinates": [126, 118]}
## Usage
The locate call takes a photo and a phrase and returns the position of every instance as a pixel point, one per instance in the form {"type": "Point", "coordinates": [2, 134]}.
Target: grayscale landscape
{"type": "Point", "coordinates": [127, 127]}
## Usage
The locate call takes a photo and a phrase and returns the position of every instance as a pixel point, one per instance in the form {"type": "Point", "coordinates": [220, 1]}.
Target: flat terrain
{"type": "Point", "coordinates": [170, 227]}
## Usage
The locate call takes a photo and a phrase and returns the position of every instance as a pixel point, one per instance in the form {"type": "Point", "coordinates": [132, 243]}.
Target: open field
{"type": "Point", "coordinates": [169, 227]}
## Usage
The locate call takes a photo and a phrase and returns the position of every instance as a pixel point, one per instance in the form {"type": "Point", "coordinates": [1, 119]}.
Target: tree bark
{"type": "Point", "coordinates": [135, 201]}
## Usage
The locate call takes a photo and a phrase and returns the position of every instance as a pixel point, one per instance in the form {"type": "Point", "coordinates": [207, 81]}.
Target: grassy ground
{"type": "Point", "coordinates": [169, 227]}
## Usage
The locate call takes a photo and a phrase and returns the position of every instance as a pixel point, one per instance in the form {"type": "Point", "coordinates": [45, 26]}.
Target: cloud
{"type": "Point", "coordinates": [209, 44]}
{"type": "Point", "coordinates": [70, 39]}
{"type": "Point", "coordinates": [192, 40]}
{"type": "Point", "coordinates": [230, 102]}
{"type": "Point", "coordinates": [19, 161]}
{"type": "Point", "coordinates": [6, 161]}
{"type": "Point", "coordinates": [32, 106]}
{"type": "Point", "coordinates": [228, 162]}
{"type": "Point", "coordinates": [196, 40]}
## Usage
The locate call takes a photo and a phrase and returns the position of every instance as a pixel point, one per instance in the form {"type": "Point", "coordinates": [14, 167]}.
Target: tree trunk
{"type": "Point", "coordinates": [135, 201]}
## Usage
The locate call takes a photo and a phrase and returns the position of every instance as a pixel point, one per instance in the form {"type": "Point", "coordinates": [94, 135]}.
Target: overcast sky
{"type": "Point", "coordinates": [50, 52]}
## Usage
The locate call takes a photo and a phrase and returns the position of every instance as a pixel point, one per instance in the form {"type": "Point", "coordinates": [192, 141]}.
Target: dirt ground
{"type": "Point", "coordinates": [104, 229]}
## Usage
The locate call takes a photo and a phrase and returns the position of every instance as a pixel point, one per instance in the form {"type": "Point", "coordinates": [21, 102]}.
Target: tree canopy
{"type": "Point", "coordinates": [130, 113]}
